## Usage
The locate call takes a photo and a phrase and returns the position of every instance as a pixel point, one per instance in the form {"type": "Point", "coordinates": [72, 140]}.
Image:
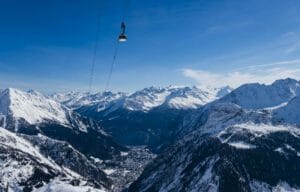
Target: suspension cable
{"type": "Point", "coordinates": [112, 66]}
{"type": "Point", "coordinates": [95, 50]}
{"type": "Point", "coordinates": [116, 51]}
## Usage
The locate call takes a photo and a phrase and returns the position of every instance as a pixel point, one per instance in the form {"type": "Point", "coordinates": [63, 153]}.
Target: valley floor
{"type": "Point", "coordinates": [127, 169]}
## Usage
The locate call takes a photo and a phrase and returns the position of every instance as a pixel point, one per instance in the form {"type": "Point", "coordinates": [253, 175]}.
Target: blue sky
{"type": "Point", "coordinates": [48, 45]}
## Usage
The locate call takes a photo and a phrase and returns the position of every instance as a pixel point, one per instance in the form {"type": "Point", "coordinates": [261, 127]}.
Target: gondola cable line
{"type": "Point", "coordinates": [95, 50]}
{"type": "Point", "coordinates": [122, 38]}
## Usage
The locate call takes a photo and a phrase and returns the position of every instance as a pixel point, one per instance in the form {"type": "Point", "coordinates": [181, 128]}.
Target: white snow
{"type": "Point", "coordinates": [144, 100]}
{"type": "Point", "coordinates": [187, 102]}
{"type": "Point", "coordinates": [290, 112]}
{"type": "Point", "coordinates": [263, 129]}
{"type": "Point", "coordinates": [59, 186]}
{"type": "Point", "coordinates": [256, 130]}
{"type": "Point", "coordinates": [109, 171]}
{"type": "Point", "coordinates": [76, 100]}
{"type": "Point", "coordinates": [241, 145]}
{"type": "Point", "coordinates": [257, 186]}
{"type": "Point", "coordinates": [282, 150]}
{"type": "Point", "coordinates": [96, 160]}
{"type": "Point", "coordinates": [277, 106]}
{"type": "Point", "coordinates": [13, 172]}
{"type": "Point", "coordinates": [259, 96]}
{"type": "Point", "coordinates": [31, 106]}
{"type": "Point", "coordinates": [126, 171]}
{"type": "Point", "coordinates": [207, 181]}
{"type": "Point", "coordinates": [292, 149]}
{"type": "Point", "coordinates": [70, 98]}
{"type": "Point", "coordinates": [10, 139]}
{"type": "Point", "coordinates": [124, 154]}
{"type": "Point", "coordinates": [178, 97]}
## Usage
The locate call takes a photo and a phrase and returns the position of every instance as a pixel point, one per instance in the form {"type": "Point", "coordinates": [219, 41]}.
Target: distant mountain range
{"type": "Point", "coordinates": [206, 139]}
{"type": "Point", "coordinates": [177, 97]}
{"type": "Point", "coordinates": [150, 117]}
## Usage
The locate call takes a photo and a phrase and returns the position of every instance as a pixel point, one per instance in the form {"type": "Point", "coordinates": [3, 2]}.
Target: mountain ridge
{"type": "Point", "coordinates": [233, 145]}
{"type": "Point", "coordinates": [145, 99]}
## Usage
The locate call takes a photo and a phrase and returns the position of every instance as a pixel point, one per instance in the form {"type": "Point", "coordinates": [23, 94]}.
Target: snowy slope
{"type": "Point", "coordinates": [146, 99]}
{"type": "Point", "coordinates": [172, 97]}
{"type": "Point", "coordinates": [281, 99]}
{"type": "Point", "coordinates": [33, 113]}
{"type": "Point", "coordinates": [228, 145]}
{"type": "Point", "coordinates": [13, 141]}
{"type": "Point", "coordinates": [67, 156]}
{"type": "Point", "coordinates": [23, 167]}
{"type": "Point", "coordinates": [59, 186]}
{"type": "Point", "coordinates": [290, 112]}
{"type": "Point", "coordinates": [258, 96]}
{"type": "Point", "coordinates": [177, 97]}
{"type": "Point", "coordinates": [31, 106]}
{"type": "Point", "coordinates": [69, 98]}
{"type": "Point", "coordinates": [78, 99]}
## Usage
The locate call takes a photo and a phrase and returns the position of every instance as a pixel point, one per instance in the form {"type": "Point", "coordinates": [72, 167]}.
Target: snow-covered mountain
{"type": "Point", "coordinates": [33, 113]}
{"type": "Point", "coordinates": [281, 99]}
{"type": "Point", "coordinates": [31, 106]}
{"type": "Point", "coordinates": [76, 100]}
{"type": "Point", "coordinates": [144, 100]}
{"type": "Point", "coordinates": [68, 139]}
{"type": "Point", "coordinates": [243, 157]}
{"type": "Point", "coordinates": [289, 112]}
{"type": "Point", "coordinates": [245, 141]}
{"type": "Point", "coordinates": [172, 97]}
{"type": "Point", "coordinates": [258, 96]}
{"type": "Point", "coordinates": [24, 168]}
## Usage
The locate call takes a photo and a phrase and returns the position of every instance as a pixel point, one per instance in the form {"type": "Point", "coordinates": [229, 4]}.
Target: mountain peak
{"type": "Point", "coordinates": [221, 92]}
{"type": "Point", "coordinates": [258, 96]}
{"type": "Point", "coordinates": [31, 106]}
{"type": "Point", "coordinates": [289, 81]}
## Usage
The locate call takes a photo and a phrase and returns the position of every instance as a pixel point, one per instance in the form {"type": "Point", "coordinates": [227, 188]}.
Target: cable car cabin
{"type": "Point", "coordinates": [122, 36]}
